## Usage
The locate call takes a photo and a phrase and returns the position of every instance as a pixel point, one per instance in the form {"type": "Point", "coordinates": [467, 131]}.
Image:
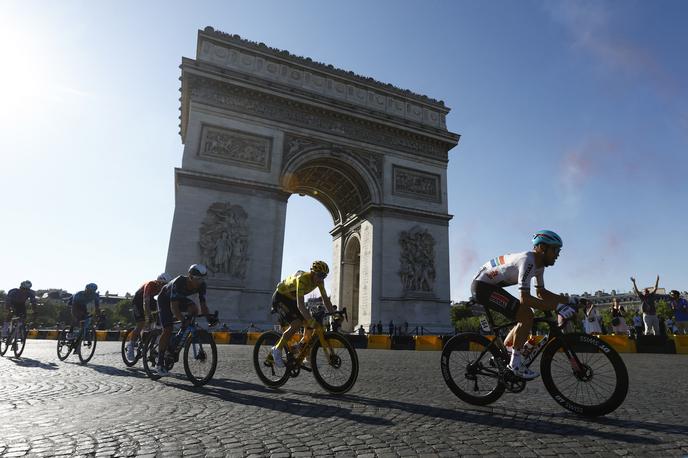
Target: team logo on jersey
{"type": "Point", "coordinates": [499, 299]}
{"type": "Point", "coordinates": [492, 274]}
{"type": "Point", "coordinates": [497, 261]}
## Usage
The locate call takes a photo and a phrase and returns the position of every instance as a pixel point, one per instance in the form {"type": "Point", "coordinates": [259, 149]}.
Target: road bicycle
{"type": "Point", "coordinates": [82, 341]}
{"type": "Point", "coordinates": [331, 357]}
{"type": "Point", "coordinates": [16, 337]}
{"type": "Point", "coordinates": [139, 342]}
{"type": "Point", "coordinates": [581, 372]}
{"type": "Point", "coordinates": [200, 351]}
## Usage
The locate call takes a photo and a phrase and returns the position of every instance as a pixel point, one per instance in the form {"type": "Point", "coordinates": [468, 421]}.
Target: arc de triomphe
{"type": "Point", "coordinates": [259, 124]}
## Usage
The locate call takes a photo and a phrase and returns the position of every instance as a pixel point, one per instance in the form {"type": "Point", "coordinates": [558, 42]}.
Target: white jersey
{"type": "Point", "coordinates": [512, 269]}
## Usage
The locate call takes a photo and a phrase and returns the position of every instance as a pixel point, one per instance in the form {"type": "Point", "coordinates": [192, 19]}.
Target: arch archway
{"type": "Point", "coordinates": [351, 281]}
{"type": "Point", "coordinates": [259, 125]}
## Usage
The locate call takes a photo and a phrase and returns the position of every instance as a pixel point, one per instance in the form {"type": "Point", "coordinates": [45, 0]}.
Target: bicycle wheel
{"type": "Point", "coordinates": [470, 369]}
{"type": "Point", "coordinates": [64, 346]}
{"type": "Point", "coordinates": [5, 343]}
{"type": "Point", "coordinates": [137, 353]}
{"type": "Point", "coordinates": [595, 387]}
{"type": "Point", "coordinates": [151, 349]}
{"type": "Point", "coordinates": [19, 342]}
{"type": "Point", "coordinates": [265, 367]}
{"type": "Point", "coordinates": [335, 366]}
{"type": "Point", "coordinates": [200, 357]}
{"type": "Point", "coordinates": [87, 345]}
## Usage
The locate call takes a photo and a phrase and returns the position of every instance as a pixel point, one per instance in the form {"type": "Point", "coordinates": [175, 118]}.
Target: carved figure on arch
{"type": "Point", "coordinates": [417, 270]}
{"type": "Point", "coordinates": [224, 240]}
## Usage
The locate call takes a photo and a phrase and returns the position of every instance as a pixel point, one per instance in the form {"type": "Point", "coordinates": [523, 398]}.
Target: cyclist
{"type": "Point", "coordinates": [520, 268]}
{"type": "Point", "coordinates": [15, 302]}
{"type": "Point", "coordinates": [174, 299]}
{"type": "Point", "coordinates": [288, 301]}
{"type": "Point", "coordinates": [144, 301]}
{"type": "Point", "coordinates": [79, 303]}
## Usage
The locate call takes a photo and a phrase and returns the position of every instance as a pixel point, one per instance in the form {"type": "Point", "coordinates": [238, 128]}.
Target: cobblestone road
{"type": "Point", "coordinates": [400, 406]}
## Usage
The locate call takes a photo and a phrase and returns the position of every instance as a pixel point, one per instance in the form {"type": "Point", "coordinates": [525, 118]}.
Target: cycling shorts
{"type": "Point", "coordinates": [495, 298]}
{"type": "Point", "coordinates": [139, 314]}
{"type": "Point", "coordinates": [165, 311]}
{"type": "Point", "coordinates": [286, 308]}
{"type": "Point", "coordinates": [17, 309]}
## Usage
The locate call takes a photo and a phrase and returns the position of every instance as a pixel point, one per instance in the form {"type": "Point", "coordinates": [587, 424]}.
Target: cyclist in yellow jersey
{"type": "Point", "coordinates": [288, 301]}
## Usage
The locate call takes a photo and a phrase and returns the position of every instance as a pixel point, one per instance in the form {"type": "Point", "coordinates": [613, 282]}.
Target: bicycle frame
{"type": "Point", "coordinates": [319, 330]}
{"type": "Point", "coordinates": [555, 332]}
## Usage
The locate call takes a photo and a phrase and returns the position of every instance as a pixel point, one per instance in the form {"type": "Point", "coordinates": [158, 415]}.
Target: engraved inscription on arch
{"type": "Point", "coordinates": [416, 184]}
{"type": "Point", "coordinates": [234, 147]}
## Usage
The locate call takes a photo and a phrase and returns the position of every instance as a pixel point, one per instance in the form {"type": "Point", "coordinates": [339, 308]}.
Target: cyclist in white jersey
{"type": "Point", "coordinates": [520, 268]}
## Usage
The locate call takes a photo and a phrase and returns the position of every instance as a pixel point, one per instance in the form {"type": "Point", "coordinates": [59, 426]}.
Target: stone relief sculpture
{"type": "Point", "coordinates": [417, 271]}
{"type": "Point", "coordinates": [224, 240]}
{"type": "Point", "coordinates": [237, 148]}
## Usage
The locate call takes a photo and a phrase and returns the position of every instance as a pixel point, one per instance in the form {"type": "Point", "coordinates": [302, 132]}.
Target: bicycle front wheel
{"type": "Point", "coordinates": [471, 370]}
{"type": "Point", "coordinates": [19, 342]}
{"type": "Point", "coordinates": [335, 366]}
{"type": "Point", "coordinates": [200, 357]}
{"type": "Point", "coordinates": [265, 366]}
{"type": "Point", "coordinates": [151, 349]}
{"type": "Point", "coordinates": [584, 374]}
{"type": "Point", "coordinates": [137, 354]}
{"type": "Point", "coordinates": [64, 346]}
{"type": "Point", "coordinates": [87, 345]}
{"type": "Point", "coordinates": [5, 343]}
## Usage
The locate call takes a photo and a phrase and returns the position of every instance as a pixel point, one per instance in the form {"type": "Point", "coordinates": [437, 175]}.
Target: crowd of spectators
{"type": "Point", "coordinates": [645, 321]}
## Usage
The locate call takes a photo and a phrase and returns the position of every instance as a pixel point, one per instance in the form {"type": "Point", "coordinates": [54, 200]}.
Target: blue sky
{"type": "Point", "coordinates": [573, 117]}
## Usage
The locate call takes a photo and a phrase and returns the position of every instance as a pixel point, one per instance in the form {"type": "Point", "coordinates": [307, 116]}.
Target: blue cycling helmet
{"type": "Point", "coordinates": [547, 237]}
{"type": "Point", "coordinates": [92, 287]}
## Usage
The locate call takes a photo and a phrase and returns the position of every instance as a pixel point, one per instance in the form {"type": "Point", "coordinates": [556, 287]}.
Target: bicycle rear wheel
{"type": "Point", "coordinates": [64, 346]}
{"type": "Point", "coordinates": [265, 367]}
{"type": "Point", "coordinates": [470, 369]}
{"type": "Point", "coordinates": [200, 357]}
{"type": "Point", "coordinates": [19, 341]}
{"type": "Point", "coordinates": [137, 353]}
{"type": "Point", "coordinates": [87, 345]}
{"type": "Point", "coordinates": [595, 387]}
{"type": "Point", "coordinates": [151, 348]}
{"type": "Point", "coordinates": [335, 366]}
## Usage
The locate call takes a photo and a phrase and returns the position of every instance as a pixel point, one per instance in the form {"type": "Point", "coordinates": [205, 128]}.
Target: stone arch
{"type": "Point", "coordinates": [334, 177]}
{"type": "Point", "coordinates": [350, 280]}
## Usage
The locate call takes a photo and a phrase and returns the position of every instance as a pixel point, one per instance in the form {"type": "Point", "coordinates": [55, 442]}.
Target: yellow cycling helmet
{"type": "Point", "coordinates": [320, 267]}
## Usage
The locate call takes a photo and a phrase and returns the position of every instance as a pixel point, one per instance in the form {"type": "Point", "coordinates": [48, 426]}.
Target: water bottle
{"type": "Point", "coordinates": [528, 347]}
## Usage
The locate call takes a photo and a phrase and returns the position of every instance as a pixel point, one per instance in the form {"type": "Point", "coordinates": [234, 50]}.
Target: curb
{"type": "Point", "coordinates": [622, 344]}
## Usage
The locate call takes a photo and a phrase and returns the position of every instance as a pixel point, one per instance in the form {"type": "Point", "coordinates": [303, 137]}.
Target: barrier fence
{"type": "Point", "coordinates": [672, 344]}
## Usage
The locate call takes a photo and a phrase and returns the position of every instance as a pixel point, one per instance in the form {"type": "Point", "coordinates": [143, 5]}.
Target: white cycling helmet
{"type": "Point", "coordinates": [165, 277]}
{"type": "Point", "coordinates": [198, 270]}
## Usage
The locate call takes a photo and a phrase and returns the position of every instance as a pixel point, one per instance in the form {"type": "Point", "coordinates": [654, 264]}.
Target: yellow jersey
{"type": "Point", "coordinates": [299, 284]}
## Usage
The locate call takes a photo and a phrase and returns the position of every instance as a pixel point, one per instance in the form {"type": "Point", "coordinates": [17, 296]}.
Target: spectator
{"type": "Point", "coordinates": [379, 327]}
{"type": "Point", "coordinates": [619, 325]}
{"type": "Point", "coordinates": [680, 308]}
{"type": "Point", "coordinates": [391, 328]}
{"type": "Point", "coordinates": [638, 324]}
{"type": "Point", "coordinates": [406, 327]}
{"type": "Point", "coordinates": [648, 307]}
{"type": "Point", "coordinates": [361, 331]}
{"type": "Point", "coordinates": [670, 326]}
{"type": "Point", "coordinates": [592, 319]}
